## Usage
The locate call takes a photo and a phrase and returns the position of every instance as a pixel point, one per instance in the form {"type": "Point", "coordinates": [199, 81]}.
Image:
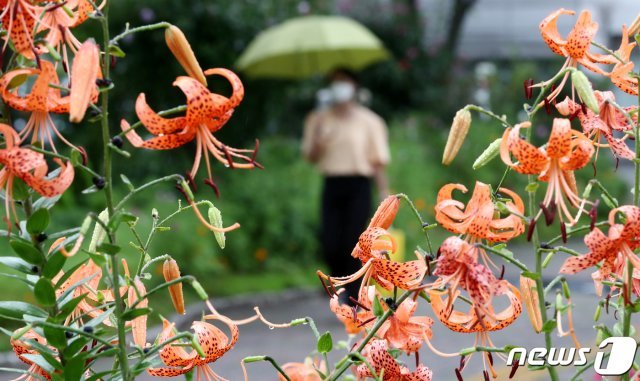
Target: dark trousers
{"type": "Point", "coordinates": [346, 209]}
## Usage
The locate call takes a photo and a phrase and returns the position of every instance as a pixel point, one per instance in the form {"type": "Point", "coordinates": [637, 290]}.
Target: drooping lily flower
{"type": "Point", "coordinates": [603, 125]}
{"type": "Point", "coordinates": [575, 47]}
{"type": "Point", "coordinates": [566, 151]}
{"type": "Point", "coordinates": [21, 348]}
{"type": "Point", "coordinates": [57, 21]}
{"type": "Point", "coordinates": [214, 342]}
{"type": "Point", "coordinates": [458, 270]}
{"type": "Point", "coordinates": [303, 371]}
{"type": "Point", "coordinates": [206, 113]}
{"type": "Point", "coordinates": [405, 331]}
{"type": "Point", "coordinates": [355, 318]}
{"type": "Point", "coordinates": [30, 167]}
{"type": "Point", "coordinates": [42, 100]}
{"type": "Point", "coordinates": [613, 250]}
{"type": "Point", "coordinates": [622, 70]}
{"type": "Point", "coordinates": [480, 219]}
{"type": "Point", "coordinates": [375, 249]}
{"type": "Point", "coordinates": [377, 354]}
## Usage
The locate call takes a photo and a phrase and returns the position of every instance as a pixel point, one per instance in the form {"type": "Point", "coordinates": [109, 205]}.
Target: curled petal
{"type": "Point", "coordinates": [550, 34]}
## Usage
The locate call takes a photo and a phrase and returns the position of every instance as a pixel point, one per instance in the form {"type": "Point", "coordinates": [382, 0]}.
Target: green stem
{"type": "Point", "coordinates": [425, 225]}
{"type": "Point", "coordinates": [143, 28]}
{"type": "Point", "coordinates": [108, 191]}
{"type": "Point", "coordinates": [531, 195]}
{"type": "Point", "coordinates": [267, 359]}
{"type": "Point", "coordinates": [145, 186]}
{"type": "Point", "coordinates": [481, 110]}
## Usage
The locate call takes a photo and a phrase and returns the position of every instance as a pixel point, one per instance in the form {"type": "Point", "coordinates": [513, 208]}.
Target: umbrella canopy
{"type": "Point", "coordinates": [308, 45]}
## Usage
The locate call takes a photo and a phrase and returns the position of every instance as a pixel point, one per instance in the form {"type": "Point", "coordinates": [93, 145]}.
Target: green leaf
{"type": "Point", "coordinates": [55, 336]}
{"type": "Point", "coordinates": [46, 202]}
{"type": "Point", "coordinates": [26, 251]}
{"type": "Point", "coordinates": [115, 51]}
{"type": "Point", "coordinates": [54, 265]}
{"type": "Point", "coordinates": [75, 346]}
{"type": "Point", "coordinates": [20, 190]}
{"type": "Point", "coordinates": [549, 326]}
{"type": "Point", "coordinates": [38, 221]}
{"type": "Point", "coordinates": [44, 292]}
{"type": "Point", "coordinates": [14, 309]}
{"type": "Point", "coordinates": [108, 248]}
{"type": "Point", "coordinates": [69, 306]}
{"type": "Point", "coordinates": [127, 182]}
{"type": "Point", "coordinates": [76, 158]}
{"type": "Point", "coordinates": [99, 259]}
{"type": "Point", "coordinates": [134, 313]}
{"type": "Point", "coordinates": [377, 307]}
{"type": "Point", "coordinates": [74, 369]}
{"type": "Point", "coordinates": [325, 343]}
{"type": "Point", "coordinates": [532, 187]}
{"type": "Point", "coordinates": [530, 275]}
{"type": "Point", "coordinates": [18, 264]}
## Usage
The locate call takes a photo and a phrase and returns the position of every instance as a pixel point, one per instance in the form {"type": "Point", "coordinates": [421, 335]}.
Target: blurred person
{"type": "Point", "coordinates": [349, 145]}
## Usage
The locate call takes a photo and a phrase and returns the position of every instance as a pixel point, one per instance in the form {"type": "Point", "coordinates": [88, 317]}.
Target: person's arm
{"type": "Point", "coordinates": [382, 183]}
{"type": "Point", "coordinates": [313, 145]}
{"type": "Point", "coordinates": [380, 156]}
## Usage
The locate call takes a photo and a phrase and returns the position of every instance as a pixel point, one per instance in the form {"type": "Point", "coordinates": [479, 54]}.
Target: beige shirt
{"type": "Point", "coordinates": [349, 145]}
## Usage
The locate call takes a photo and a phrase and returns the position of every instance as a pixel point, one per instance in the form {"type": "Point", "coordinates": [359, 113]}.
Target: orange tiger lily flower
{"type": "Point", "coordinates": [480, 219]}
{"type": "Point", "coordinates": [566, 151]}
{"type": "Point", "coordinates": [377, 354]}
{"type": "Point", "coordinates": [374, 250]}
{"type": "Point", "coordinates": [621, 73]}
{"type": "Point", "coordinates": [405, 331]}
{"type": "Point", "coordinates": [613, 250]}
{"type": "Point", "coordinates": [21, 348]}
{"type": "Point", "coordinates": [213, 341]}
{"type": "Point", "coordinates": [19, 18]}
{"type": "Point", "coordinates": [576, 47]}
{"type": "Point", "coordinates": [355, 318]}
{"type": "Point", "coordinates": [458, 270]}
{"type": "Point", "coordinates": [603, 125]}
{"type": "Point", "coordinates": [303, 371]}
{"type": "Point", "coordinates": [206, 113]}
{"type": "Point", "coordinates": [30, 167]}
{"type": "Point", "coordinates": [40, 101]}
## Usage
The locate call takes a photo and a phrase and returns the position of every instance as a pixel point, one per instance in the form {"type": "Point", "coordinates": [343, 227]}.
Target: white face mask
{"type": "Point", "coordinates": [342, 91]}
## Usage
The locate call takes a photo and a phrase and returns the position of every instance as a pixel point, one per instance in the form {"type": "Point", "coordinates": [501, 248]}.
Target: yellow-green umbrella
{"type": "Point", "coordinates": [309, 45]}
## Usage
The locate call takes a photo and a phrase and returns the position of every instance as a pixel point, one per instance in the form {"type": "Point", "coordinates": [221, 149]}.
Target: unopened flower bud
{"type": "Point", "coordinates": [171, 272]}
{"type": "Point", "coordinates": [215, 219]}
{"type": "Point", "coordinates": [179, 46]}
{"type": "Point", "coordinates": [635, 26]}
{"type": "Point", "coordinates": [84, 72]}
{"type": "Point", "coordinates": [585, 91]}
{"type": "Point", "coordinates": [457, 134]}
{"type": "Point", "coordinates": [531, 302]}
{"type": "Point", "coordinates": [488, 154]}
{"type": "Point", "coordinates": [386, 213]}
{"type": "Point", "coordinates": [197, 287]}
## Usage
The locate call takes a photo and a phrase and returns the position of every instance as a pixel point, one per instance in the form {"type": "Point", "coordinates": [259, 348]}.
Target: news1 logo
{"type": "Point", "coordinates": [621, 356]}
